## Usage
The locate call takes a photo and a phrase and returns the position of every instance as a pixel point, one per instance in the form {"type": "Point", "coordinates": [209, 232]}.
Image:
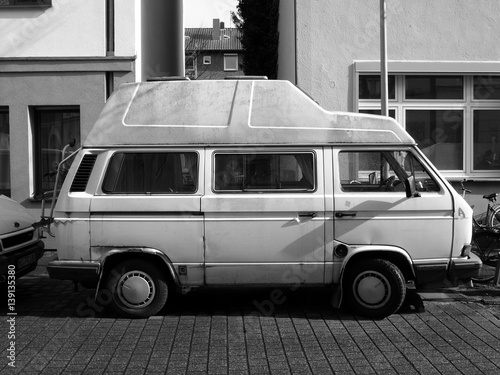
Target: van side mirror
{"type": "Point", "coordinates": [411, 189]}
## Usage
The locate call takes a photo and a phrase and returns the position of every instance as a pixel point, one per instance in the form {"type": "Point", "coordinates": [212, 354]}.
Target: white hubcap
{"type": "Point", "coordinates": [371, 289]}
{"type": "Point", "coordinates": [136, 289]}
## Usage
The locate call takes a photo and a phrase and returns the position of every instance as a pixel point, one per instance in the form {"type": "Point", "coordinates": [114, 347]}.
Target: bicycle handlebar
{"type": "Point", "coordinates": [464, 190]}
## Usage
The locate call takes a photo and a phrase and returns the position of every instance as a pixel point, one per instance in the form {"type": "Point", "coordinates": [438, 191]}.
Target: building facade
{"type": "Point", "coordinates": [59, 62]}
{"type": "Point", "coordinates": [213, 53]}
{"type": "Point", "coordinates": [443, 66]}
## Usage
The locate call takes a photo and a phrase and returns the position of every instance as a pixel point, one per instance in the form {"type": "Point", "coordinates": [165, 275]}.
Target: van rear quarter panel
{"type": "Point", "coordinates": [170, 224]}
{"type": "Point", "coordinates": [72, 219]}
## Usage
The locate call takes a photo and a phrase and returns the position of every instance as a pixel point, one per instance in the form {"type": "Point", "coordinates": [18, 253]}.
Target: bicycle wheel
{"type": "Point", "coordinates": [486, 275]}
{"type": "Point", "coordinates": [494, 217]}
{"type": "Point", "coordinates": [486, 245]}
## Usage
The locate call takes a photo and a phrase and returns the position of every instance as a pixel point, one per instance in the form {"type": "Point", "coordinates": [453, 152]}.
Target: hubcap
{"type": "Point", "coordinates": [136, 289]}
{"type": "Point", "coordinates": [371, 289]}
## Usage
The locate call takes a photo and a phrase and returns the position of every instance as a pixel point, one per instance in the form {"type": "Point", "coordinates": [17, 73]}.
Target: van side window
{"type": "Point", "coordinates": [264, 172]}
{"type": "Point", "coordinates": [379, 171]}
{"type": "Point", "coordinates": [152, 172]}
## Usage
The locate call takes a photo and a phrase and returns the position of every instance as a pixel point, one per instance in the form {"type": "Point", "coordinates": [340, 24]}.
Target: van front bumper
{"type": "Point", "coordinates": [465, 267]}
{"type": "Point", "coordinates": [85, 272]}
{"type": "Point", "coordinates": [461, 268]}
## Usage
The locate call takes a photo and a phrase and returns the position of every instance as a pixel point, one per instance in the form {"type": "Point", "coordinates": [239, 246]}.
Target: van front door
{"type": "Point", "coordinates": [264, 217]}
{"type": "Point", "coordinates": [372, 208]}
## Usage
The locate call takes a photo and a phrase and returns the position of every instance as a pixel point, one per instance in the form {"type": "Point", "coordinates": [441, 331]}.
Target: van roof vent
{"type": "Point", "coordinates": [83, 174]}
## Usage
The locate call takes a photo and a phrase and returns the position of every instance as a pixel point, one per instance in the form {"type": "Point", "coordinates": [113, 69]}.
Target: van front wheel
{"type": "Point", "coordinates": [375, 288]}
{"type": "Point", "coordinates": [138, 289]}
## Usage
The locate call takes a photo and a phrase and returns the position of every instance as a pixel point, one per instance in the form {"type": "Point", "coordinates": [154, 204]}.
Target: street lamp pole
{"type": "Point", "coordinates": [384, 88]}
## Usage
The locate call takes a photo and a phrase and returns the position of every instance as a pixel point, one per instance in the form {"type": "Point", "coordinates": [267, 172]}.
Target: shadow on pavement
{"type": "Point", "coordinates": [37, 295]}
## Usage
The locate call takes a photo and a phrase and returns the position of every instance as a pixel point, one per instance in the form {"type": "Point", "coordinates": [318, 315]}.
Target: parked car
{"type": "Point", "coordinates": [20, 244]}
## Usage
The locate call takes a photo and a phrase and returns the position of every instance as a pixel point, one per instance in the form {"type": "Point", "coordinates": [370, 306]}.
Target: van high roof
{"type": "Point", "coordinates": [232, 112]}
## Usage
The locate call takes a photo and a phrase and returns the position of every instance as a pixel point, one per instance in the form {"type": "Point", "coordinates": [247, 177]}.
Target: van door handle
{"type": "Point", "coordinates": [308, 214]}
{"type": "Point", "coordinates": [300, 216]}
{"type": "Point", "coordinates": [342, 214]}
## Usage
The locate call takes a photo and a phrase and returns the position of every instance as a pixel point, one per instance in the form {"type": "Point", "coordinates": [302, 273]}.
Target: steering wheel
{"type": "Point", "coordinates": [390, 183]}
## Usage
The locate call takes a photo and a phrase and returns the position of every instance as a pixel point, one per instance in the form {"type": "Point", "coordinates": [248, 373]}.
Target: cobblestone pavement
{"type": "Point", "coordinates": [60, 331]}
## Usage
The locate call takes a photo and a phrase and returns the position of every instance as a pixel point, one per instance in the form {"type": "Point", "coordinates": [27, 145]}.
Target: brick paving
{"type": "Point", "coordinates": [60, 331]}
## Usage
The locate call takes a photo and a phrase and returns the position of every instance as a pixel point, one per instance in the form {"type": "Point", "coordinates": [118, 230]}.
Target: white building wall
{"type": "Point", "coordinates": [332, 34]}
{"type": "Point", "coordinates": [68, 28]}
{"type": "Point", "coordinates": [127, 19]}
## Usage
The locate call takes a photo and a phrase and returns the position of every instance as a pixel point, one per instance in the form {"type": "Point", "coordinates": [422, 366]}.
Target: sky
{"type": "Point", "coordinates": [200, 13]}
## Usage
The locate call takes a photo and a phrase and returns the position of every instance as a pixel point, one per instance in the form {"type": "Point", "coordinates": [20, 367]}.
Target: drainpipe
{"type": "Point", "coordinates": [162, 39]}
{"type": "Point", "coordinates": [384, 87]}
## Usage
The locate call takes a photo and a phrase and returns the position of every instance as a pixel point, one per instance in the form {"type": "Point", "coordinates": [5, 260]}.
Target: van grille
{"type": "Point", "coordinates": [83, 174]}
{"type": "Point", "coordinates": [17, 239]}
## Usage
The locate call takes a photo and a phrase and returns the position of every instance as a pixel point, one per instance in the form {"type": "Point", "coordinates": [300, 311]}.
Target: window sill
{"type": "Point", "coordinates": [472, 178]}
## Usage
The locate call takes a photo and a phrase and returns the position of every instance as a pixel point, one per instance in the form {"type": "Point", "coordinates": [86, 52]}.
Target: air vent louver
{"type": "Point", "coordinates": [83, 174]}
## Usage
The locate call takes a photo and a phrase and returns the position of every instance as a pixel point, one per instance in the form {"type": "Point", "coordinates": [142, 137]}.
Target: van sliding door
{"type": "Point", "coordinates": [264, 217]}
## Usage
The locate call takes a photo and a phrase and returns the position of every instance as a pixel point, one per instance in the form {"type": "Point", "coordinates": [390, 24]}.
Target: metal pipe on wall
{"type": "Point", "coordinates": [384, 96]}
{"type": "Point", "coordinates": [162, 38]}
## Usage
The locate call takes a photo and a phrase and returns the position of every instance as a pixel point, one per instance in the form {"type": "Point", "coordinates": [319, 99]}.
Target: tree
{"type": "Point", "coordinates": [257, 21]}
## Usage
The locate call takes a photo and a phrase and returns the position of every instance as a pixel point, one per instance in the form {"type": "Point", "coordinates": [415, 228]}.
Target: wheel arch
{"type": "Point", "coordinates": [155, 257]}
{"type": "Point", "coordinates": [395, 255]}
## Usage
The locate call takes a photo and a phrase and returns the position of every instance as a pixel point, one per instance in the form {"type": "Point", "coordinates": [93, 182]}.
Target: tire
{"type": "Point", "coordinates": [138, 289]}
{"type": "Point", "coordinates": [375, 288]}
{"type": "Point", "coordinates": [494, 218]}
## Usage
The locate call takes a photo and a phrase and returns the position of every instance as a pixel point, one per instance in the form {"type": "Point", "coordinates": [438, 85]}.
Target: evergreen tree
{"type": "Point", "coordinates": [257, 21]}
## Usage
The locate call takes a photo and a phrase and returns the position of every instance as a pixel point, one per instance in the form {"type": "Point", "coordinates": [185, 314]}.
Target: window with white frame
{"type": "Point", "coordinates": [54, 128]}
{"type": "Point", "coordinates": [207, 60]}
{"type": "Point", "coordinates": [230, 62]}
{"type": "Point", "coordinates": [454, 118]}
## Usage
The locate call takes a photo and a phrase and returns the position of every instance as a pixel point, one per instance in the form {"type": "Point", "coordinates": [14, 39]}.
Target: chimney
{"type": "Point", "coordinates": [216, 29]}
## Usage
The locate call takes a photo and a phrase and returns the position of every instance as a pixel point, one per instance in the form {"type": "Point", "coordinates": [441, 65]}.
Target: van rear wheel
{"type": "Point", "coordinates": [375, 288]}
{"type": "Point", "coordinates": [138, 288]}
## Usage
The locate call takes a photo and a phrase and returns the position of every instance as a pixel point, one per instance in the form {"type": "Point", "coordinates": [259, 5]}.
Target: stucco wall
{"type": "Point", "coordinates": [68, 28]}
{"type": "Point", "coordinates": [332, 34]}
{"type": "Point", "coordinates": [20, 92]}
{"type": "Point", "coordinates": [126, 16]}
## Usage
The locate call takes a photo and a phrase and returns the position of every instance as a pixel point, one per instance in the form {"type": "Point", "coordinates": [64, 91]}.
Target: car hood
{"type": "Point", "coordinates": [13, 216]}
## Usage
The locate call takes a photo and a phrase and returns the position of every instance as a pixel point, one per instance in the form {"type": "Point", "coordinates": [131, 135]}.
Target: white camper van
{"type": "Point", "coordinates": [243, 183]}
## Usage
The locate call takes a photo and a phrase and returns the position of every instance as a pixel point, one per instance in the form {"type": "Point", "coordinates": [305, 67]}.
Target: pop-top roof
{"type": "Point", "coordinates": [237, 112]}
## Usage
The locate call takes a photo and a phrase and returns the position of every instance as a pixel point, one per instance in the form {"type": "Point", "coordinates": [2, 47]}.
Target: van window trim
{"type": "Point", "coordinates": [264, 151]}
{"type": "Point", "coordinates": [111, 153]}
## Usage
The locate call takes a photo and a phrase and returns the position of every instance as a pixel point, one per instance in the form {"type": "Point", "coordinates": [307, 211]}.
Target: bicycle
{"type": "Point", "coordinates": [486, 236]}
